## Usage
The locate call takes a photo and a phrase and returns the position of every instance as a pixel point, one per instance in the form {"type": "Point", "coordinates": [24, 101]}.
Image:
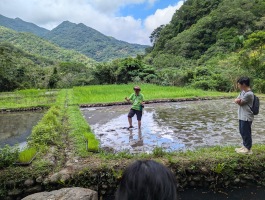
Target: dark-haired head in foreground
{"type": "Point", "coordinates": [244, 81]}
{"type": "Point", "coordinates": [147, 180]}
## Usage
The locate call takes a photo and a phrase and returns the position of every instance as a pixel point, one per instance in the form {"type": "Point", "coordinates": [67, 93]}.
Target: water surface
{"type": "Point", "coordinates": [173, 126]}
{"type": "Point", "coordinates": [15, 127]}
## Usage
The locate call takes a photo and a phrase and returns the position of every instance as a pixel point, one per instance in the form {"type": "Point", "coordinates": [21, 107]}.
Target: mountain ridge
{"type": "Point", "coordinates": [78, 37]}
{"type": "Point", "coordinates": [20, 25]}
{"type": "Point", "coordinates": [35, 45]}
{"type": "Point", "coordinates": [91, 42]}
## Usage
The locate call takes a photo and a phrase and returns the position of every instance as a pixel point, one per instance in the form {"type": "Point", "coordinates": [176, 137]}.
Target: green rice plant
{"type": "Point", "coordinates": [80, 130]}
{"type": "Point", "coordinates": [26, 155]}
{"type": "Point", "coordinates": [117, 93]}
{"type": "Point", "coordinates": [27, 98]}
{"type": "Point", "coordinates": [92, 142]}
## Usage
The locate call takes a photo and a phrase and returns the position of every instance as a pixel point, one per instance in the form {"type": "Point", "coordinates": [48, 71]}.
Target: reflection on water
{"type": "Point", "coordinates": [173, 126]}
{"type": "Point", "coordinates": [16, 127]}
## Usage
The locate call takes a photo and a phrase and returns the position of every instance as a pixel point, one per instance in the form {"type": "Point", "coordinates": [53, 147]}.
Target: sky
{"type": "Point", "coordinates": [128, 20]}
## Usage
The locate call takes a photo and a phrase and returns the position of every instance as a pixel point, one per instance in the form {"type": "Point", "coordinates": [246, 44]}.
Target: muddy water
{"type": "Point", "coordinates": [16, 127]}
{"type": "Point", "coordinates": [173, 126]}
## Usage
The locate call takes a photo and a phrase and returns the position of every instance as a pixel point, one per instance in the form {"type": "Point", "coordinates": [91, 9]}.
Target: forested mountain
{"type": "Point", "coordinates": [79, 37]}
{"type": "Point", "coordinates": [210, 43]}
{"type": "Point", "coordinates": [19, 69]}
{"type": "Point", "coordinates": [19, 25]}
{"type": "Point", "coordinates": [34, 45]}
{"type": "Point", "coordinates": [200, 27]}
{"type": "Point", "coordinates": [92, 43]}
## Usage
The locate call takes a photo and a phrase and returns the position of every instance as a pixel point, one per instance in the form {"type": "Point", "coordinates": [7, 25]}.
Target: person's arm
{"type": "Point", "coordinates": [129, 99]}
{"type": "Point", "coordinates": [238, 100]}
{"type": "Point", "coordinates": [246, 99]}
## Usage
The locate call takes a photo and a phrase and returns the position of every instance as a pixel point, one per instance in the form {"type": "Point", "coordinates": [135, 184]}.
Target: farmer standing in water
{"type": "Point", "coordinates": [137, 100]}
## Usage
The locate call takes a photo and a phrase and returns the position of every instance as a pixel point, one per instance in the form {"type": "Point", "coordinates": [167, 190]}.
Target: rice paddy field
{"type": "Point", "coordinates": [117, 93]}
{"type": "Point", "coordinates": [27, 98]}
{"type": "Point", "coordinates": [63, 137]}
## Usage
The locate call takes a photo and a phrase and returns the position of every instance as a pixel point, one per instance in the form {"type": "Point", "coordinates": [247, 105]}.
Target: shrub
{"type": "Point", "coordinates": [8, 155]}
{"type": "Point", "coordinates": [259, 85]}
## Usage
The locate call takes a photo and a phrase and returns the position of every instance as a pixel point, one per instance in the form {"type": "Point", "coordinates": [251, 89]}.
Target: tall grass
{"type": "Point", "coordinates": [117, 93]}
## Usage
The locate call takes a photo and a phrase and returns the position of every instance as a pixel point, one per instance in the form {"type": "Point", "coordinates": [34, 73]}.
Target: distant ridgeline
{"type": "Point", "coordinates": [78, 37]}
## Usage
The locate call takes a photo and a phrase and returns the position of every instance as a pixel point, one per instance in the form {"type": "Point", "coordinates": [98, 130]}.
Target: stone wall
{"type": "Point", "coordinates": [106, 180]}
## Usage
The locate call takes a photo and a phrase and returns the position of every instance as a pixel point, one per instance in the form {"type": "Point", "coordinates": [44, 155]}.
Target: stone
{"type": "Point", "coordinates": [55, 178]}
{"type": "Point", "coordinates": [64, 177]}
{"type": "Point", "coordinates": [39, 179]}
{"type": "Point", "coordinates": [249, 177]}
{"type": "Point", "coordinates": [65, 194]}
{"type": "Point", "coordinates": [192, 184]}
{"type": "Point", "coordinates": [104, 186]}
{"type": "Point", "coordinates": [210, 179]}
{"type": "Point", "coordinates": [204, 170]}
{"type": "Point", "coordinates": [196, 178]}
{"type": "Point", "coordinates": [237, 180]}
{"type": "Point", "coordinates": [10, 183]}
{"type": "Point", "coordinates": [15, 192]}
{"type": "Point", "coordinates": [46, 181]}
{"type": "Point", "coordinates": [29, 182]}
{"type": "Point", "coordinates": [34, 189]}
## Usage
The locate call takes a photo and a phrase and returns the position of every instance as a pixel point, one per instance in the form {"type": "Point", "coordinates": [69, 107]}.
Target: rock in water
{"type": "Point", "coordinates": [65, 194]}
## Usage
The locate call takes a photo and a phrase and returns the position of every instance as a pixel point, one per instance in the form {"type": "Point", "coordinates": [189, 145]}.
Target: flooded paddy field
{"type": "Point", "coordinates": [172, 126]}
{"type": "Point", "coordinates": [15, 127]}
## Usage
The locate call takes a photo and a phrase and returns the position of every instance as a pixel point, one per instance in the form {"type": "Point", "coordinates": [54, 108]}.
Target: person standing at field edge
{"type": "Point", "coordinates": [137, 100]}
{"type": "Point", "coordinates": [245, 101]}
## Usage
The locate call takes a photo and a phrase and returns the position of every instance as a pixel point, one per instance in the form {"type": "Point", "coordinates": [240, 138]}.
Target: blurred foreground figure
{"type": "Point", "coordinates": [147, 180]}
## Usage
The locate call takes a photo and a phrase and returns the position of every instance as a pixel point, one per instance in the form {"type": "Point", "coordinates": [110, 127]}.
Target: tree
{"type": "Point", "coordinates": [155, 34]}
{"type": "Point", "coordinates": [54, 78]}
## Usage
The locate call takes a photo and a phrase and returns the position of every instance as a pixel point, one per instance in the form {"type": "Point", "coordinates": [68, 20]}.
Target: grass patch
{"type": "Point", "coordinates": [80, 132]}
{"type": "Point", "coordinates": [48, 131]}
{"type": "Point", "coordinates": [27, 98]}
{"type": "Point", "coordinates": [26, 155]}
{"type": "Point", "coordinates": [117, 93]}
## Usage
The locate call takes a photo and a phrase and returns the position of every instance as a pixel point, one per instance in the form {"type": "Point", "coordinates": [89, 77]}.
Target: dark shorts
{"type": "Point", "coordinates": [137, 112]}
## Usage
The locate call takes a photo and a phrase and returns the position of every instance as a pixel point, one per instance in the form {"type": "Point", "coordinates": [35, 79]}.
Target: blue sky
{"type": "Point", "coordinates": [128, 20]}
{"type": "Point", "coordinates": [141, 11]}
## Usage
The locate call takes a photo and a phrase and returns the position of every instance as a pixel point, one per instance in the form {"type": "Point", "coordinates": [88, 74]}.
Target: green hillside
{"type": "Point", "coordinates": [79, 37]}
{"type": "Point", "coordinates": [210, 43]}
{"type": "Point", "coordinates": [19, 25]}
{"type": "Point", "coordinates": [36, 46]}
{"type": "Point", "coordinates": [19, 69]}
{"type": "Point", "coordinates": [200, 26]}
{"type": "Point", "coordinates": [91, 42]}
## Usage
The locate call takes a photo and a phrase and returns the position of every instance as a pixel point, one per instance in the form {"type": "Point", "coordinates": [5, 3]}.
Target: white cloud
{"type": "Point", "coordinates": [98, 14]}
{"type": "Point", "coordinates": [161, 16]}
